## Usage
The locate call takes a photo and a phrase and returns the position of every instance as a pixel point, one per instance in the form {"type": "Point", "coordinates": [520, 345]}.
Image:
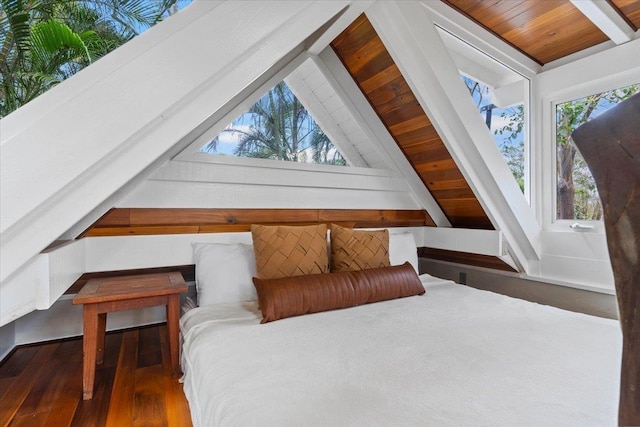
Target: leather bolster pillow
{"type": "Point", "coordinates": [293, 296]}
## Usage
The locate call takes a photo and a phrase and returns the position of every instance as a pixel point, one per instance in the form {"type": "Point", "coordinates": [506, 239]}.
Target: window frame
{"type": "Point", "coordinates": [548, 195]}
{"type": "Point", "coordinates": [192, 151]}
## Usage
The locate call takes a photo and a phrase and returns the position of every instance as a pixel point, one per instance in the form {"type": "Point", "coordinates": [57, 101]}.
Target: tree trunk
{"type": "Point", "coordinates": [566, 189]}
{"type": "Point", "coordinates": [610, 145]}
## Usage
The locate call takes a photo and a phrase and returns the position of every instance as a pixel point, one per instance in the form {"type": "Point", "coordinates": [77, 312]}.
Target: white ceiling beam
{"type": "Point", "coordinates": [604, 16]}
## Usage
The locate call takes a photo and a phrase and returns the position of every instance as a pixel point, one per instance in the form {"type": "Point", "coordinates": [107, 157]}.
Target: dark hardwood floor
{"type": "Point", "coordinates": [41, 385]}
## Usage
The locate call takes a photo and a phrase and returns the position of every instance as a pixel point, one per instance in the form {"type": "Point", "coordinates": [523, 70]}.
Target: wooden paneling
{"type": "Point", "coordinates": [367, 60]}
{"type": "Point", "coordinates": [125, 221]}
{"type": "Point", "coordinates": [629, 10]}
{"type": "Point", "coordinates": [543, 30]}
{"type": "Point", "coordinates": [134, 384]}
{"type": "Point", "coordinates": [477, 260]}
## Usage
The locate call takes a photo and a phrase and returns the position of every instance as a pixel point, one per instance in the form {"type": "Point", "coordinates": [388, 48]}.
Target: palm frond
{"type": "Point", "coordinates": [52, 38]}
{"type": "Point", "coordinates": [14, 27]}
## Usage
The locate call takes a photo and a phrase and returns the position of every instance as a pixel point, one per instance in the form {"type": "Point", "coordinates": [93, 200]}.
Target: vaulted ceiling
{"type": "Point", "coordinates": [371, 66]}
{"type": "Point", "coordinates": [552, 29]}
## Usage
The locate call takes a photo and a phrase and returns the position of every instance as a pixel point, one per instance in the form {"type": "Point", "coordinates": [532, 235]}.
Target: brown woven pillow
{"type": "Point", "coordinates": [293, 296]}
{"type": "Point", "coordinates": [353, 250]}
{"type": "Point", "coordinates": [285, 251]}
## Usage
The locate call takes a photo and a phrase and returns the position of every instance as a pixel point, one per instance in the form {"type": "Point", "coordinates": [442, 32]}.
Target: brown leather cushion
{"type": "Point", "coordinates": [285, 251]}
{"type": "Point", "coordinates": [353, 250]}
{"type": "Point", "coordinates": [293, 296]}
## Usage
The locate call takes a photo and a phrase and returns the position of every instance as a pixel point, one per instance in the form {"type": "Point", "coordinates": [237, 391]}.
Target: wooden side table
{"type": "Point", "coordinates": [102, 296]}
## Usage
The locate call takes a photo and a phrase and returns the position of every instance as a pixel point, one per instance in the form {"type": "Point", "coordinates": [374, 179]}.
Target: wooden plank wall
{"type": "Point", "coordinates": [145, 221]}
{"type": "Point", "coordinates": [372, 68]}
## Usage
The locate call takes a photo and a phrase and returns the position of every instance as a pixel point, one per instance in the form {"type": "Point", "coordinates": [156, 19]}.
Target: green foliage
{"type": "Point", "coordinates": [512, 144]}
{"type": "Point", "coordinates": [43, 42]}
{"type": "Point", "coordinates": [577, 195]}
{"type": "Point", "coordinates": [279, 127]}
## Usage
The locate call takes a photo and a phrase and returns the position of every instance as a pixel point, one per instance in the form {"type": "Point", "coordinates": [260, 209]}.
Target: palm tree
{"type": "Point", "coordinates": [279, 127]}
{"type": "Point", "coordinates": [43, 42]}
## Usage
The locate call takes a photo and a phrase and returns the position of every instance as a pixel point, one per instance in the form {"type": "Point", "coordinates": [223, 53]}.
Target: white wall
{"type": "Point", "coordinates": [578, 257]}
{"type": "Point", "coordinates": [527, 288]}
{"type": "Point", "coordinates": [210, 181]}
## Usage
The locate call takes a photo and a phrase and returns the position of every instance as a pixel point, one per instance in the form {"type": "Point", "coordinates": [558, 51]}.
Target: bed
{"type": "Point", "coordinates": [452, 356]}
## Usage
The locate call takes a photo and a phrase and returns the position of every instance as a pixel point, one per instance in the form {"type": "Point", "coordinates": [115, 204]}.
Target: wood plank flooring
{"type": "Point", "coordinates": [41, 385]}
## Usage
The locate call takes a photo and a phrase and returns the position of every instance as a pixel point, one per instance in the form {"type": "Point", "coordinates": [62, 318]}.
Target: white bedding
{"type": "Point", "coordinates": [455, 356]}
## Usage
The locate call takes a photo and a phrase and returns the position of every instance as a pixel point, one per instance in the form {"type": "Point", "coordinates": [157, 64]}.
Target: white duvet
{"type": "Point", "coordinates": [455, 356]}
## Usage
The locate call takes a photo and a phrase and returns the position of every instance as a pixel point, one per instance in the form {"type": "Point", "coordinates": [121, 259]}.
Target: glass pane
{"type": "Point", "coordinates": [276, 127]}
{"type": "Point", "coordinates": [506, 126]}
{"type": "Point", "coordinates": [577, 195]}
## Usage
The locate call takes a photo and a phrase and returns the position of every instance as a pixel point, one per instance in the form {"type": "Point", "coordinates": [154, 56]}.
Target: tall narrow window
{"type": "Point", "coordinates": [276, 127]}
{"type": "Point", "coordinates": [506, 126]}
{"type": "Point", "coordinates": [577, 196]}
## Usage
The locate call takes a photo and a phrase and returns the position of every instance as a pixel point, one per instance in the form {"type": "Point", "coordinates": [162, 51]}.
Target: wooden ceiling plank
{"type": "Point", "coordinates": [543, 30]}
{"type": "Point", "coordinates": [364, 56]}
{"type": "Point", "coordinates": [629, 10]}
{"type": "Point", "coordinates": [391, 95]}
{"type": "Point", "coordinates": [420, 153]}
{"type": "Point", "coordinates": [453, 193]}
{"type": "Point", "coordinates": [449, 184]}
{"type": "Point", "coordinates": [383, 77]}
{"type": "Point", "coordinates": [400, 115]}
{"type": "Point", "coordinates": [423, 136]}
{"type": "Point", "coordinates": [414, 123]}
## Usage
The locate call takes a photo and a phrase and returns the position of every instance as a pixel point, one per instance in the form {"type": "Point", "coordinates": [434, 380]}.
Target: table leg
{"type": "Point", "coordinates": [89, 344]}
{"type": "Point", "coordinates": [102, 326]}
{"type": "Point", "coordinates": [173, 319]}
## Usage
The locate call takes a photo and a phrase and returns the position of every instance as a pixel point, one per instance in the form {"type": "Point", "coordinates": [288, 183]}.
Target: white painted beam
{"type": "Point", "coordinates": [606, 18]}
{"type": "Point", "coordinates": [411, 38]}
{"type": "Point", "coordinates": [483, 242]}
{"type": "Point", "coordinates": [297, 82]}
{"type": "Point", "coordinates": [515, 93]}
{"type": "Point", "coordinates": [42, 281]}
{"type": "Point", "coordinates": [379, 137]}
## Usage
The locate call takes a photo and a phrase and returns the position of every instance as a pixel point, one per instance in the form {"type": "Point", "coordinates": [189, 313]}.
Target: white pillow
{"type": "Point", "coordinates": [224, 273]}
{"type": "Point", "coordinates": [402, 248]}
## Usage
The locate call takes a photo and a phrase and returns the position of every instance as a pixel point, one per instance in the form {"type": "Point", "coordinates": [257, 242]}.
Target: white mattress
{"type": "Point", "coordinates": [455, 356]}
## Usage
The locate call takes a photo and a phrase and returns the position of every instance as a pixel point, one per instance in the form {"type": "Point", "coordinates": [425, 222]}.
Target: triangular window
{"type": "Point", "coordinates": [507, 126]}
{"type": "Point", "coordinates": [277, 127]}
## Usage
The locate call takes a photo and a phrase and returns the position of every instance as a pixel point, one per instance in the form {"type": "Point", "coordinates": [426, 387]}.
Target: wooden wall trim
{"type": "Point", "coordinates": [464, 258]}
{"type": "Point", "coordinates": [148, 221]}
